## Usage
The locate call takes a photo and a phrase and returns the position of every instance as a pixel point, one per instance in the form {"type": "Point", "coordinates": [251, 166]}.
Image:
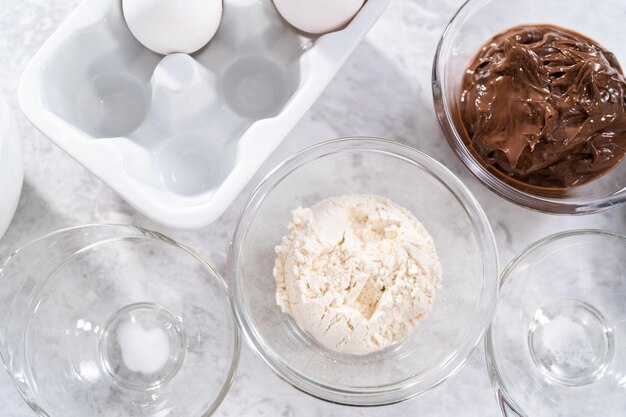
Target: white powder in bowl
{"type": "Point", "coordinates": [357, 272]}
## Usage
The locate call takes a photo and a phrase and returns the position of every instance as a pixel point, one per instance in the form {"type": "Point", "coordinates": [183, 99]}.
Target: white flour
{"type": "Point", "coordinates": [357, 272]}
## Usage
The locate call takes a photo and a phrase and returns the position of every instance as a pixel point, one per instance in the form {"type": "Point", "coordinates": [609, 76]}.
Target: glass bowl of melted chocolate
{"type": "Point", "coordinates": [532, 97]}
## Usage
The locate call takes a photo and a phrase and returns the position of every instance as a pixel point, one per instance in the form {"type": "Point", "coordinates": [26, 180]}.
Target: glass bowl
{"type": "Point", "coordinates": [116, 321]}
{"type": "Point", "coordinates": [440, 344]}
{"type": "Point", "coordinates": [475, 23]}
{"type": "Point", "coordinates": [557, 345]}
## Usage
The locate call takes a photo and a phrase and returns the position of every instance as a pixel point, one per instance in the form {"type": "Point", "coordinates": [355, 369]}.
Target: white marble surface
{"type": "Point", "coordinates": [384, 90]}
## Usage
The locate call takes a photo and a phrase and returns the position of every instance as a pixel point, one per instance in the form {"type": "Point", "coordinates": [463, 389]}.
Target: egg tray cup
{"type": "Point", "coordinates": [179, 136]}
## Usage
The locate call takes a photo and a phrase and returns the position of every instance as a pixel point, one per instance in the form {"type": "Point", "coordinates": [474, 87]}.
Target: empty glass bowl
{"type": "Point", "coordinates": [557, 345]}
{"type": "Point", "coordinates": [440, 344]}
{"type": "Point", "coordinates": [116, 321]}
{"type": "Point", "coordinates": [477, 22]}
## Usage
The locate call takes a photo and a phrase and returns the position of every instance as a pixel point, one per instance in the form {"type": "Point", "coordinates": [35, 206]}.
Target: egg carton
{"type": "Point", "coordinates": [179, 136]}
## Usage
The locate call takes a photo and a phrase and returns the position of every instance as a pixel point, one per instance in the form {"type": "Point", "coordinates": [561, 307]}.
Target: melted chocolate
{"type": "Point", "coordinates": [545, 106]}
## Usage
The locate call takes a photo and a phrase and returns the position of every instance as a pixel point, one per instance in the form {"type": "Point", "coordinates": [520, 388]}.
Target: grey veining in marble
{"type": "Point", "coordinates": [383, 90]}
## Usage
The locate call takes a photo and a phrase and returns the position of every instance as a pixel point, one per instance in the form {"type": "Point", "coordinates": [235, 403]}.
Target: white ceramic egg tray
{"type": "Point", "coordinates": [178, 137]}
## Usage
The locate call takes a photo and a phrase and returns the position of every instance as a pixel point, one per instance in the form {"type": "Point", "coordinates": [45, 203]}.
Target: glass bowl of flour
{"type": "Point", "coordinates": [116, 321]}
{"type": "Point", "coordinates": [363, 272]}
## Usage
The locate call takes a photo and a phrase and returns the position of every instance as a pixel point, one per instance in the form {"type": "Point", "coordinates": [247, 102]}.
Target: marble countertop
{"type": "Point", "coordinates": [383, 90]}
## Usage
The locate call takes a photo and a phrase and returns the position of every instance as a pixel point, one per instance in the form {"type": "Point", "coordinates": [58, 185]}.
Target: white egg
{"type": "Point", "coordinates": [168, 26]}
{"type": "Point", "coordinates": [318, 16]}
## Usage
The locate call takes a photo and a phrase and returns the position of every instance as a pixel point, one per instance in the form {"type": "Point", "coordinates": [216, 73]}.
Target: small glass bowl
{"type": "Point", "coordinates": [109, 320]}
{"type": "Point", "coordinates": [479, 20]}
{"type": "Point", "coordinates": [440, 344]}
{"type": "Point", "coordinates": [557, 343]}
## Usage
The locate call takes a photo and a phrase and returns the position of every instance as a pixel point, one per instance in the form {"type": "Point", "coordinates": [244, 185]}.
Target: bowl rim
{"type": "Point", "coordinates": [487, 178]}
{"type": "Point", "coordinates": [402, 390]}
{"type": "Point", "coordinates": [505, 401]}
{"type": "Point", "coordinates": [150, 235]}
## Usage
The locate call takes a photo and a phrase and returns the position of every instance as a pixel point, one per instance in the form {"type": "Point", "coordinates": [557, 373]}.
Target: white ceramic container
{"type": "Point", "coordinates": [178, 137]}
{"type": "Point", "coordinates": [11, 169]}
